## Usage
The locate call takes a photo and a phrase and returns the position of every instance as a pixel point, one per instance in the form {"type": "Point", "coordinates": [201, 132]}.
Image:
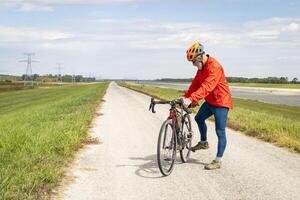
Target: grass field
{"type": "Point", "coordinates": [278, 124]}
{"type": "Point", "coordinates": [40, 130]}
{"type": "Point", "coordinates": [19, 85]}
{"type": "Point", "coordinates": [11, 86]}
{"type": "Point", "coordinates": [267, 85]}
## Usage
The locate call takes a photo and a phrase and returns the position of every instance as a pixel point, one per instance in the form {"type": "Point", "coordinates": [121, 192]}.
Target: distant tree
{"type": "Point", "coordinates": [284, 80]}
{"type": "Point", "coordinates": [35, 77]}
{"type": "Point", "coordinates": [295, 80]}
{"type": "Point", "coordinates": [78, 78]}
{"type": "Point", "coordinates": [67, 78]}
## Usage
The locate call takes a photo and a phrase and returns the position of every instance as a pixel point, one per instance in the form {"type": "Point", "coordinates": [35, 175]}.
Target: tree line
{"type": "Point", "coordinates": [280, 80]}
{"type": "Point", "coordinates": [230, 79]}
{"type": "Point", "coordinates": [48, 78]}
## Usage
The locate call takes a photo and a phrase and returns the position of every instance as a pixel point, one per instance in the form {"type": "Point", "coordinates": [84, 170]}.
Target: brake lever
{"type": "Point", "coordinates": [152, 105]}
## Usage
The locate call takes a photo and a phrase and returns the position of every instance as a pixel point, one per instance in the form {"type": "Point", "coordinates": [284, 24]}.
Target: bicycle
{"type": "Point", "coordinates": [175, 134]}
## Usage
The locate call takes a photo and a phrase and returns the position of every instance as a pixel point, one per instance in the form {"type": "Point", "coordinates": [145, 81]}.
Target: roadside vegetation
{"type": "Point", "coordinates": [19, 85]}
{"type": "Point", "coordinates": [278, 124]}
{"type": "Point", "coordinates": [47, 78]}
{"type": "Point", "coordinates": [10, 86]}
{"type": "Point", "coordinates": [258, 85]}
{"type": "Point", "coordinates": [269, 82]}
{"type": "Point", "coordinates": [40, 130]}
{"type": "Point", "coordinates": [267, 85]}
{"type": "Point", "coordinates": [11, 83]}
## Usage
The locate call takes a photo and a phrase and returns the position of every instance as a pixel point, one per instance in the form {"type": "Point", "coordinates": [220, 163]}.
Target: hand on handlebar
{"type": "Point", "coordinates": [186, 102]}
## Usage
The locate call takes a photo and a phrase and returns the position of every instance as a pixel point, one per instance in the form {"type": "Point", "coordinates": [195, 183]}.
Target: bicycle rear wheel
{"type": "Point", "coordinates": [187, 137]}
{"type": "Point", "coordinates": [166, 148]}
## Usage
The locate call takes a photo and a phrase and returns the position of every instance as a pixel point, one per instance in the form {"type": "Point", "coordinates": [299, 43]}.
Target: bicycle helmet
{"type": "Point", "coordinates": [195, 50]}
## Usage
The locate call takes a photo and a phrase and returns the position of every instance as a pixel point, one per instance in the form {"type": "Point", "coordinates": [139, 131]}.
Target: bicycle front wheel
{"type": "Point", "coordinates": [166, 148]}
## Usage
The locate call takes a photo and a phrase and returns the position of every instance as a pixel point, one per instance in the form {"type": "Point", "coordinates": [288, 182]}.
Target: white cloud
{"type": "Point", "coordinates": [34, 7]}
{"type": "Point", "coordinates": [161, 44]}
{"type": "Point", "coordinates": [264, 34]}
{"type": "Point", "coordinates": [274, 31]}
{"type": "Point", "coordinates": [49, 5]}
{"type": "Point", "coordinates": [149, 34]}
{"type": "Point", "coordinates": [292, 27]}
{"type": "Point", "coordinates": [13, 35]}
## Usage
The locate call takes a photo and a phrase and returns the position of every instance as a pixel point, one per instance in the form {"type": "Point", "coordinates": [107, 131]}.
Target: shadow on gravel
{"type": "Point", "coordinates": [149, 167]}
{"type": "Point", "coordinates": [194, 161]}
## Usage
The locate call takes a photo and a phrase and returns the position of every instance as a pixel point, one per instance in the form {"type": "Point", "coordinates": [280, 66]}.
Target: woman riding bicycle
{"type": "Point", "coordinates": [209, 83]}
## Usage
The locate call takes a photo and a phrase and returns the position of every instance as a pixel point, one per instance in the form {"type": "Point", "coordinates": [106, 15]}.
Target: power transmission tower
{"type": "Point", "coordinates": [28, 75]}
{"type": "Point", "coordinates": [59, 77]}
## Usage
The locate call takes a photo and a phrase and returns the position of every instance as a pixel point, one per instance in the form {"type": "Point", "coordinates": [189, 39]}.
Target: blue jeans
{"type": "Point", "coordinates": [220, 114]}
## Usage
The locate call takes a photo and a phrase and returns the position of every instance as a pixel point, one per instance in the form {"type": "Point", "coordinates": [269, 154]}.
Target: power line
{"type": "Point", "coordinates": [28, 75]}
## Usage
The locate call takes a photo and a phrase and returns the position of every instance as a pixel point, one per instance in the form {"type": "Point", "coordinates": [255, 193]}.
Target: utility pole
{"type": "Point", "coordinates": [28, 75]}
{"type": "Point", "coordinates": [59, 77]}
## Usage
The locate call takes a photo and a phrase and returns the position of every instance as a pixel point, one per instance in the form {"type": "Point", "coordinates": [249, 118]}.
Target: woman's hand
{"type": "Point", "coordinates": [186, 102]}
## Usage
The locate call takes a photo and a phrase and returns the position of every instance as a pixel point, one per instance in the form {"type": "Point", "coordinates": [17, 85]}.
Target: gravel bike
{"type": "Point", "coordinates": [175, 134]}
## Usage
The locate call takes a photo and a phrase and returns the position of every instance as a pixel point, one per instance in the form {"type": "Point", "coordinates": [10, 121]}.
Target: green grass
{"type": "Point", "coordinates": [40, 130]}
{"type": "Point", "coordinates": [267, 85]}
{"type": "Point", "coordinates": [278, 124]}
{"type": "Point", "coordinates": [11, 86]}
{"type": "Point", "coordinates": [19, 85]}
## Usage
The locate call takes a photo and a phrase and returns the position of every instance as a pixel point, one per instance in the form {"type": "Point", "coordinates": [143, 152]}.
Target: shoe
{"type": "Point", "coordinates": [200, 145]}
{"type": "Point", "coordinates": [213, 165]}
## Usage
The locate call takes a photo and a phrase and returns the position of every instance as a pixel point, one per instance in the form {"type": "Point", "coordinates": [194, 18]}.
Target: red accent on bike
{"type": "Point", "coordinates": [172, 115]}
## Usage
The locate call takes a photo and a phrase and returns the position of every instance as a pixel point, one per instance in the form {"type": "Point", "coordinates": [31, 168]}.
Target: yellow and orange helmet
{"type": "Point", "coordinates": [195, 50]}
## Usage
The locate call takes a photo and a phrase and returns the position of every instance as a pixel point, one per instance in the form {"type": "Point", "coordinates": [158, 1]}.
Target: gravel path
{"type": "Point", "coordinates": [124, 165]}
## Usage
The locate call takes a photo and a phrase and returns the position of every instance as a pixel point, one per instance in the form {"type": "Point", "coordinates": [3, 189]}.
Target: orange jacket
{"type": "Point", "coordinates": [210, 83]}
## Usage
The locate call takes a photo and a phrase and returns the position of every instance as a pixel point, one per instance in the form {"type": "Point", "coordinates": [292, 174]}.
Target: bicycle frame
{"type": "Point", "coordinates": [173, 116]}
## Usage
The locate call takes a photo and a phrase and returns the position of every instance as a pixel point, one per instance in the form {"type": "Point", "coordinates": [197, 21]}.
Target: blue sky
{"type": "Point", "coordinates": [147, 39]}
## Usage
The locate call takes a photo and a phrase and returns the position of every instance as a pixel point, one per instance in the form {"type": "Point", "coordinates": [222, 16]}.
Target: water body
{"type": "Point", "coordinates": [244, 93]}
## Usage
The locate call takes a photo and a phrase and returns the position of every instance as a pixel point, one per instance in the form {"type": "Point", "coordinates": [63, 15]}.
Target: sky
{"type": "Point", "coordinates": [148, 39]}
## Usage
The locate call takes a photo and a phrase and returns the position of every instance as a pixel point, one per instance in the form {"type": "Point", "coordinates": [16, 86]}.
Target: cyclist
{"type": "Point", "coordinates": [209, 84]}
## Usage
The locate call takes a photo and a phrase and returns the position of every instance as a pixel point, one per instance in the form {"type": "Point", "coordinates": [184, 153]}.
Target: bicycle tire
{"type": "Point", "coordinates": [167, 127]}
{"type": "Point", "coordinates": [187, 130]}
